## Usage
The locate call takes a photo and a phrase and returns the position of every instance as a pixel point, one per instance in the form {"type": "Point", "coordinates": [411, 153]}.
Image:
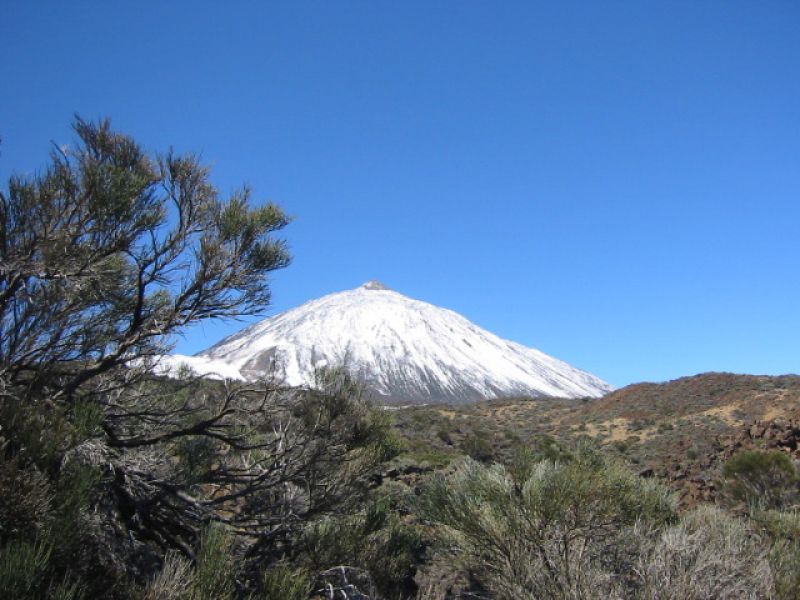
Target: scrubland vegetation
{"type": "Point", "coordinates": [117, 483]}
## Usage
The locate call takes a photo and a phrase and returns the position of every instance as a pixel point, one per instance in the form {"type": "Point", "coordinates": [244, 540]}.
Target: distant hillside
{"type": "Point", "coordinates": [677, 430]}
{"type": "Point", "coordinates": [729, 396]}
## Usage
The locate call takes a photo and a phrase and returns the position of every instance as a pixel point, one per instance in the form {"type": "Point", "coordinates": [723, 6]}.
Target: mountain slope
{"type": "Point", "coordinates": [404, 350]}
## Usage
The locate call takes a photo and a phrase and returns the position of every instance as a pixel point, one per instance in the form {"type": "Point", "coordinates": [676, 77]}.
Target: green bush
{"type": "Point", "coordinates": [23, 566]}
{"type": "Point", "coordinates": [211, 577]}
{"type": "Point", "coordinates": [762, 479]}
{"type": "Point", "coordinates": [784, 559]}
{"type": "Point", "coordinates": [375, 540]}
{"type": "Point", "coordinates": [25, 500]}
{"type": "Point", "coordinates": [706, 555]}
{"type": "Point", "coordinates": [621, 446]}
{"type": "Point", "coordinates": [215, 568]}
{"type": "Point", "coordinates": [546, 529]}
{"type": "Point", "coordinates": [44, 527]}
{"type": "Point", "coordinates": [444, 435]}
{"type": "Point", "coordinates": [779, 524]}
{"type": "Point", "coordinates": [173, 582]}
{"type": "Point", "coordinates": [665, 426]}
{"type": "Point", "coordinates": [477, 447]}
{"type": "Point", "coordinates": [25, 573]}
{"type": "Point", "coordinates": [196, 456]}
{"type": "Point", "coordinates": [283, 583]}
{"type": "Point", "coordinates": [783, 527]}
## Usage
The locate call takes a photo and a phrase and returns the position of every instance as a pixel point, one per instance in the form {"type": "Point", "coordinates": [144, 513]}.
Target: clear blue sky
{"type": "Point", "coordinates": [614, 183]}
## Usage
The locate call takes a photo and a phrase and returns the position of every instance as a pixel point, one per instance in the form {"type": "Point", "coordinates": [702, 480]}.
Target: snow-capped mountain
{"type": "Point", "coordinates": [404, 351]}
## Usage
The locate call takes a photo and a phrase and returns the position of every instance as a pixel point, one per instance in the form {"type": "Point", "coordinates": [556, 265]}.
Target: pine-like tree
{"type": "Point", "coordinates": [105, 257]}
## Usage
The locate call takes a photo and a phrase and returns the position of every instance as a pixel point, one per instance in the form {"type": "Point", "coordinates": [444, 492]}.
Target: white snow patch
{"type": "Point", "coordinates": [206, 367]}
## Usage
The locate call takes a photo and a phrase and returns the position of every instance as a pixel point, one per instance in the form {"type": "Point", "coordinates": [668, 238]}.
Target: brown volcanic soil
{"type": "Point", "coordinates": [680, 431]}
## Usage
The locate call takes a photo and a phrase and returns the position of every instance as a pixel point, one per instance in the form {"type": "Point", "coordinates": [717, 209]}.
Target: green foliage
{"type": "Point", "coordinates": [477, 447]}
{"type": "Point", "coordinates": [66, 590]}
{"type": "Point", "coordinates": [25, 573]}
{"type": "Point", "coordinates": [589, 488]}
{"type": "Point", "coordinates": [581, 526]}
{"type": "Point", "coordinates": [445, 435]}
{"type": "Point", "coordinates": [336, 404]}
{"type": "Point", "coordinates": [216, 568]}
{"type": "Point", "coordinates": [425, 455]}
{"type": "Point", "coordinates": [74, 489]}
{"type": "Point", "coordinates": [196, 455]}
{"type": "Point", "coordinates": [621, 446]}
{"type": "Point", "coordinates": [211, 577]}
{"type": "Point", "coordinates": [281, 582]}
{"type": "Point", "coordinates": [25, 500]}
{"type": "Point", "coordinates": [706, 555]}
{"type": "Point", "coordinates": [784, 558]}
{"type": "Point", "coordinates": [173, 582]}
{"type": "Point", "coordinates": [545, 528]}
{"type": "Point", "coordinates": [783, 527]}
{"type": "Point", "coordinates": [375, 540]}
{"type": "Point", "coordinates": [36, 434]}
{"type": "Point", "coordinates": [87, 419]}
{"type": "Point", "coordinates": [764, 479]}
{"type": "Point", "coordinates": [539, 448]}
{"type": "Point", "coordinates": [779, 524]}
{"type": "Point", "coordinates": [42, 528]}
{"type": "Point", "coordinates": [665, 426]}
{"type": "Point", "coordinates": [385, 442]}
{"type": "Point", "coordinates": [23, 566]}
{"type": "Point", "coordinates": [107, 253]}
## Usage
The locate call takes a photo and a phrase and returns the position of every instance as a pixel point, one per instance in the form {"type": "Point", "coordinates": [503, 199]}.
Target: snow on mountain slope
{"type": "Point", "coordinates": [404, 350]}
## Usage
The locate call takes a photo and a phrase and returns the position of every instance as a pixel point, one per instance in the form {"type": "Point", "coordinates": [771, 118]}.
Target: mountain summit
{"type": "Point", "coordinates": [375, 285]}
{"type": "Point", "coordinates": [404, 350]}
